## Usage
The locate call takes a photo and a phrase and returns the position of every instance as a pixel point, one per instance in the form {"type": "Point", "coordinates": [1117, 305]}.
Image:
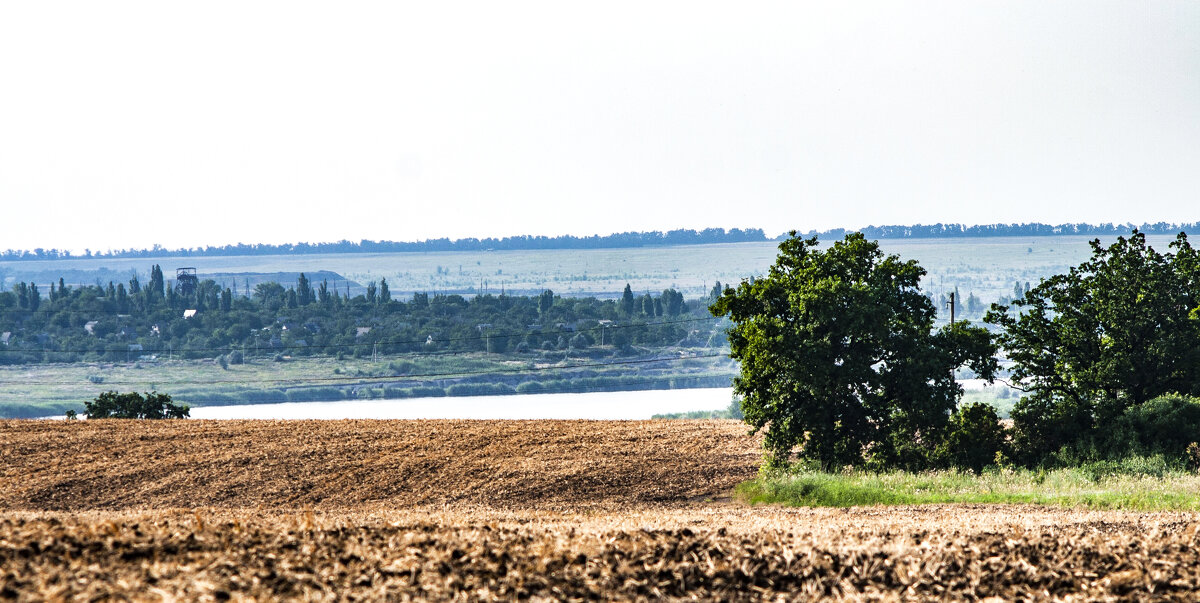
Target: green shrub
{"type": "Point", "coordinates": [735, 409]}
{"type": "Point", "coordinates": [479, 389]}
{"type": "Point", "coordinates": [111, 405]}
{"type": "Point", "coordinates": [426, 392]}
{"type": "Point", "coordinates": [973, 438]}
{"type": "Point", "coordinates": [530, 387]}
{"type": "Point", "coordinates": [1161, 427]}
{"type": "Point", "coordinates": [401, 367]}
{"type": "Point", "coordinates": [1042, 428]}
{"type": "Point", "coordinates": [1164, 425]}
{"type": "Point", "coordinates": [1192, 457]}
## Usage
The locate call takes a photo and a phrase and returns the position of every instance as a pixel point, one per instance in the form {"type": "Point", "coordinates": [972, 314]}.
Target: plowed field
{"type": "Point", "coordinates": [515, 510]}
{"type": "Point", "coordinates": [46, 465]}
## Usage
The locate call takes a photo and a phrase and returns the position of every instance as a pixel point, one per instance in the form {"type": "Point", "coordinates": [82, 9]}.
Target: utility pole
{"type": "Point", "coordinates": [951, 304]}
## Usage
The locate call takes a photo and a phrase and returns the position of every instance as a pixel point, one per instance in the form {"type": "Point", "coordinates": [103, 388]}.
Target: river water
{"type": "Point", "coordinates": [594, 405]}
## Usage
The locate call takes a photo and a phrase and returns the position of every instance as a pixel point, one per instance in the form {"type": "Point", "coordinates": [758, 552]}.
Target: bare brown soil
{"type": "Point", "coordinates": [515, 510]}
{"type": "Point", "coordinates": [715, 554]}
{"type": "Point", "coordinates": [47, 465]}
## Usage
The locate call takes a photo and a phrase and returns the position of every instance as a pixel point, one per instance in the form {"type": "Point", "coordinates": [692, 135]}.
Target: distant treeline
{"type": "Point", "coordinates": [653, 238]}
{"type": "Point", "coordinates": [625, 239]}
{"type": "Point", "coordinates": [1035, 229]}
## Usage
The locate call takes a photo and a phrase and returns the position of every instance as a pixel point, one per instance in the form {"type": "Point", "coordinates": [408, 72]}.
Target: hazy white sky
{"type": "Point", "coordinates": [124, 124]}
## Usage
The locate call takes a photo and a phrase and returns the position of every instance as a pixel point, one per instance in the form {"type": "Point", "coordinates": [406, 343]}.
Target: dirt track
{"type": "Point", "coordinates": [46, 465]}
{"type": "Point", "coordinates": [505, 510]}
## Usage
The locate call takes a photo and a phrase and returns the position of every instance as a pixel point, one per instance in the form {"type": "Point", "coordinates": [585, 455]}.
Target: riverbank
{"type": "Point", "coordinates": [31, 391]}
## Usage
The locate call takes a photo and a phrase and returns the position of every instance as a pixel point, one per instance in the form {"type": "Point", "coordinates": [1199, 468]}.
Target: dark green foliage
{"type": "Point", "coordinates": [627, 301]}
{"type": "Point", "coordinates": [304, 291]}
{"type": "Point", "coordinates": [1110, 335]}
{"type": "Point", "coordinates": [385, 295]}
{"type": "Point", "coordinates": [973, 438]}
{"type": "Point", "coordinates": [157, 286]}
{"type": "Point", "coordinates": [648, 308]}
{"type": "Point", "coordinates": [323, 295]}
{"type": "Point", "coordinates": [1165, 425]}
{"type": "Point", "coordinates": [111, 405]}
{"type": "Point", "coordinates": [672, 301]}
{"type": "Point", "coordinates": [839, 358]}
{"type": "Point", "coordinates": [274, 321]}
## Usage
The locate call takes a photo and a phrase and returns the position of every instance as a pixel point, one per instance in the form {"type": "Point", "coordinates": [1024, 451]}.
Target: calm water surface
{"type": "Point", "coordinates": [597, 405]}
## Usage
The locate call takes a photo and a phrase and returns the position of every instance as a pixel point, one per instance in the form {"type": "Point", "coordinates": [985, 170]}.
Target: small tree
{"type": "Point", "coordinates": [111, 405]}
{"type": "Point", "coordinates": [304, 291]}
{"type": "Point", "coordinates": [973, 438]}
{"type": "Point", "coordinates": [627, 301]}
{"type": "Point", "coordinates": [385, 295]}
{"type": "Point", "coordinates": [839, 358]}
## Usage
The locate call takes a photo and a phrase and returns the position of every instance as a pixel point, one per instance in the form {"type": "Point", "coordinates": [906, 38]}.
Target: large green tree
{"type": "Point", "coordinates": [839, 359]}
{"type": "Point", "coordinates": [1112, 333]}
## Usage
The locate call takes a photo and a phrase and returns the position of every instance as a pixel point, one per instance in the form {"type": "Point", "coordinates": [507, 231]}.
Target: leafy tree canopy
{"type": "Point", "coordinates": [839, 359]}
{"type": "Point", "coordinates": [1112, 333]}
{"type": "Point", "coordinates": [111, 405]}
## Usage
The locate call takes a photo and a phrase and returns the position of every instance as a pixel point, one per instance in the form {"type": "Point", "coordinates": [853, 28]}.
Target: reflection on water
{"type": "Point", "coordinates": [597, 405]}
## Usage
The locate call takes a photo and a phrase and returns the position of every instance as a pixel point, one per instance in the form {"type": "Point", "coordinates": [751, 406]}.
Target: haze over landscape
{"type": "Point", "coordinates": [502, 301]}
{"type": "Point", "coordinates": [128, 124]}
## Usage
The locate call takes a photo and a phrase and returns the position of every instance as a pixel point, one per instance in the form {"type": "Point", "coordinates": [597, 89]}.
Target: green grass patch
{"type": "Point", "coordinates": [1087, 486]}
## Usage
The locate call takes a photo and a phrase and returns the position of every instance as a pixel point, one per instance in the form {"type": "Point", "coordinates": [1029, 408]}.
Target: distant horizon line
{"type": "Point", "coordinates": [629, 239]}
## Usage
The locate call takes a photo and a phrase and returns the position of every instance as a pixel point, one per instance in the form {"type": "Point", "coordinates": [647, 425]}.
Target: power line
{"type": "Point", "coordinates": [377, 378]}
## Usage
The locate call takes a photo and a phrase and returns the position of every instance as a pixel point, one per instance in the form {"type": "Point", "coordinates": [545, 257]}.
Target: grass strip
{"type": "Point", "coordinates": [1072, 487]}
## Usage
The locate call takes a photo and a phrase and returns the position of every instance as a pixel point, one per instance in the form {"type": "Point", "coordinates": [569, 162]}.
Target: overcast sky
{"type": "Point", "coordinates": [124, 124]}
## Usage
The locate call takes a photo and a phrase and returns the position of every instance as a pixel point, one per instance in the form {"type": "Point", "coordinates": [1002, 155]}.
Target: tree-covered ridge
{"type": "Point", "coordinates": [124, 321]}
{"type": "Point", "coordinates": [1035, 229]}
{"type": "Point", "coordinates": [631, 239]}
{"type": "Point", "coordinates": [524, 242]}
